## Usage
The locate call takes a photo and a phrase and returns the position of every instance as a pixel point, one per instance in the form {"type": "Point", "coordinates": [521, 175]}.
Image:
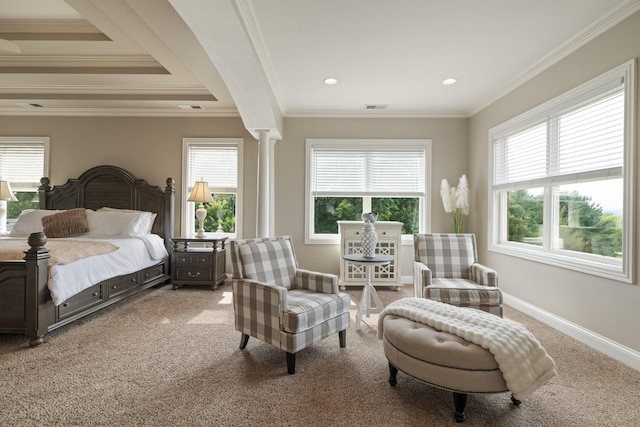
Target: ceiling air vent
{"type": "Point", "coordinates": [29, 105]}
{"type": "Point", "coordinates": [375, 106]}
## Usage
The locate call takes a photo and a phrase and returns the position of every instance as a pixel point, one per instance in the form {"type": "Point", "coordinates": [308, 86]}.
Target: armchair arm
{"type": "Point", "coordinates": [484, 275]}
{"type": "Point", "coordinates": [421, 278]}
{"type": "Point", "coordinates": [316, 282]}
{"type": "Point", "coordinates": [258, 307]}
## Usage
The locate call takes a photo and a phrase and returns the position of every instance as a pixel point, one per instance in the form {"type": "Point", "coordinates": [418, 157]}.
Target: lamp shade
{"type": "Point", "coordinates": [200, 193]}
{"type": "Point", "coordinates": [6, 193]}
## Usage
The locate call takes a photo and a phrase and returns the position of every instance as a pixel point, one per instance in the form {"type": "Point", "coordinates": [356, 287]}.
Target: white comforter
{"type": "Point", "coordinates": [524, 363]}
{"type": "Point", "coordinates": [134, 253]}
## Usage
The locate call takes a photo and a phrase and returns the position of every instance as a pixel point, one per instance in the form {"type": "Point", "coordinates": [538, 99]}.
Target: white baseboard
{"type": "Point", "coordinates": [603, 344]}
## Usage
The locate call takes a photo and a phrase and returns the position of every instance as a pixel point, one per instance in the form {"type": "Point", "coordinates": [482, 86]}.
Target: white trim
{"type": "Point", "coordinates": [425, 213]}
{"type": "Point", "coordinates": [596, 341]}
{"type": "Point", "coordinates": [623, 271]}
{"type": "Point", "coordinates": [611, 19]}
{"type": "Point", "coordinates": [46, 142]}
{"type": "Point", "coordinates": [187, 209]}
{"type": "Point", "coordinates": [119, 112]}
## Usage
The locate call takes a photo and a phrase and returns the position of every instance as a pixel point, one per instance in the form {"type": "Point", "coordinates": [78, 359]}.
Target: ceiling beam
{"type": "Point", "coordinates": [218, 26]}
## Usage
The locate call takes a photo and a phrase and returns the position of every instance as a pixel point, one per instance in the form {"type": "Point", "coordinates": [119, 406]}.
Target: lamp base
{"type": "Point", "coordinates": [201, 214]}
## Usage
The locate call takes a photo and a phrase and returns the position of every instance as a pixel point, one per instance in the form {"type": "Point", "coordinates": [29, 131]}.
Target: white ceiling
{"type": "Point", "coordinates": [266, 59]}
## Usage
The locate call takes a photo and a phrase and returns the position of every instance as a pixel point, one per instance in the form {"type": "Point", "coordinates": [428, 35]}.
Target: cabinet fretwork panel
{"type": "Point", "coordinates": [389, 243]}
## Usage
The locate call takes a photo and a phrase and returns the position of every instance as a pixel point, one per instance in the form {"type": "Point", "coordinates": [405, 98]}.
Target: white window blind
{"type": "Point", "coordinates": [397, 171]}
{"type": "Point", "coordinates": [22, 162]}
{"type": "Point", "coordinates": [580, 144]}
{"type": "Point", "coordinates": [215, 164]}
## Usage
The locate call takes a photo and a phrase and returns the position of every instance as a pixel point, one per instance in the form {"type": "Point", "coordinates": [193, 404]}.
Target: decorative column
{"type": "Point", "coordinates": [265, 184]}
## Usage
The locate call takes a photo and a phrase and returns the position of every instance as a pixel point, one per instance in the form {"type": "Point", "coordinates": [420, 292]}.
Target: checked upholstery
{"type": "Point", "coordinates": [281, 304]}
{"type": "Point", "coordinates": [446, 269]}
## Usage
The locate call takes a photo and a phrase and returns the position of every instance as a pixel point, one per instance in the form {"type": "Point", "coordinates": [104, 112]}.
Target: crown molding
{"type": "Point", "coordinates": [376, 114]}
{"type": "Point", "coordinates": [102, 89]}
{"type": "Point", "coordinates": [96, 61]}
{"type": "Point", "coordinates": [37, 26]}
{"type": "Point", "coordinates": [597, 28]}
{"type": "Point", "coordinates": [118, 112]}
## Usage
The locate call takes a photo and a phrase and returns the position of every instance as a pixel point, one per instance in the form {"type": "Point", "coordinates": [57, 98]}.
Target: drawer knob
{"type": "Point", "coordinates": [193, 275]}
{"type": "Point", "coordinates": [114, 287]}
{"type": "Point", "coordinates": [95, 294]}
{"type": "Point", "coordinates": [66, 304]}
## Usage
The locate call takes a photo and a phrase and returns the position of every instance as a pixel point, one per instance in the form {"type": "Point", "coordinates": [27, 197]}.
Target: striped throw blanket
{"type": "Point", "coordinates": [524, 363]}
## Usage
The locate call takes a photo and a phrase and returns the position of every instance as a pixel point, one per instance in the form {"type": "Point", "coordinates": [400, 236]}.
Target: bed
{"type": "Point", "coordinates": [27, 304]}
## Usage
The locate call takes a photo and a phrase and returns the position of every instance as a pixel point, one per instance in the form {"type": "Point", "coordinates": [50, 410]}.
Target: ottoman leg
{"type": "Point", "coordinates": [393, 372]}
{"type": "Point", "coordinates": [460, 401]}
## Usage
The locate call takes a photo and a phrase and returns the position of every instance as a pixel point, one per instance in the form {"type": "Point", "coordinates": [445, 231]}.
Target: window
{"type": "Point", "coordinates": [23, 161]}
{"type": "Point", "coordinates": [348, 177]}
{"type": "Point", "coordinates": [562, 179]}
{"type": "Point", "coordinates": [219, 163]}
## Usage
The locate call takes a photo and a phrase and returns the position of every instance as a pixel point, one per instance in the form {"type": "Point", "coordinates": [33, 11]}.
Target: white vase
{"type": "Point", "coordinates": [369, 236]}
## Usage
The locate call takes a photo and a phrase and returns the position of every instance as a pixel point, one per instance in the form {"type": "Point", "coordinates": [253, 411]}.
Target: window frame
{"type": "Point", "coordinates": [187, 208]}
{"type": "Point", "coordinates": [40, 140]}
{"type": "Point", "coordinates": [425, 199]}
{"type": "Point", "coordinates": [597, 265]}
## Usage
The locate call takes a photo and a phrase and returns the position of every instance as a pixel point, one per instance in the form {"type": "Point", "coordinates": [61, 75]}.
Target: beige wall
{"type": "Point", "coordinates": [449, 151]}
{"type": "Point", "coordinates": [150, 148]}
{"type": "Point", "coordinates": [606, 307]}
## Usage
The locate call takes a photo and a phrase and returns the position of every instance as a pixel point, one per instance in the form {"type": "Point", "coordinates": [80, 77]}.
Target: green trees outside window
{"type": "Point", "coordinates": [221, 215]}
{"type": "Point", "coordinates": [329, 210]}
{"type": "Point", "coordinates": [583, 225]}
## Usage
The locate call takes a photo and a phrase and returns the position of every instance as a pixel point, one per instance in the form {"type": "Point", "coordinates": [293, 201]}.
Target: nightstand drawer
{"type": "Point", "coordinates": [198, 262]}
{"type": "Point", "coordinates": [193, 258]}
{"type": "Point", "coordinates": [193, 273]}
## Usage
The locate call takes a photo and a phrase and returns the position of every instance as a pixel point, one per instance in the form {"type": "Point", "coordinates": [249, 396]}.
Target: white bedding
{"type": "Point", "coordinates": [134, 253]}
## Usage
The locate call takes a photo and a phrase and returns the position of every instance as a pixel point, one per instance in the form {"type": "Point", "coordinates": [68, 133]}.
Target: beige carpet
{"type": "Point", "coordinates": [171, 358]}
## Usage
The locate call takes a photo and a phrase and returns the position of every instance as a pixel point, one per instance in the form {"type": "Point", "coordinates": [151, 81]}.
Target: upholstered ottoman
{"type": "Point", "coordinates": [448, 361]}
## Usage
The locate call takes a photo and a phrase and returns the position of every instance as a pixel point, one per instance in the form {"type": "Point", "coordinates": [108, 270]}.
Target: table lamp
{"type": "Point", "coordinates": [5, 194]}
{"type": "Point", "coordinates": [201, 193]}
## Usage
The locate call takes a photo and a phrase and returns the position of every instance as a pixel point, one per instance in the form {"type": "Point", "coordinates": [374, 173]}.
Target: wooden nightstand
{"type": "Point", "coordinates": [197, 265]}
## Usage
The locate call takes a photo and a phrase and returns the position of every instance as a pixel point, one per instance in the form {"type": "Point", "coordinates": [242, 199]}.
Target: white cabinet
{"type": "Point", "coordinates": [389, 243]}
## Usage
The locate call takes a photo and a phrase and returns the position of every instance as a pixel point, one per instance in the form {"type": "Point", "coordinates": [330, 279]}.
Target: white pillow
{"type": "Point", "coordinates": [30, 221]}
{"type": "Point", "coordinates": [149, 217]}
{"type": "Point", "coordinates": [116, 223]}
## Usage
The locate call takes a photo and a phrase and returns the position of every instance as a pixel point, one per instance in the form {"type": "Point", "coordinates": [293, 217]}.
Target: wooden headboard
{"type": "Point", "coordinates": [114, 187]}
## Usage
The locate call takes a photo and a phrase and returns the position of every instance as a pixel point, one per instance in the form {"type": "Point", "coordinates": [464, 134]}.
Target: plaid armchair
{"type": "Point", "coordinates": [281, 304]}
{"type": "Point", "coordinates": [446, 269]}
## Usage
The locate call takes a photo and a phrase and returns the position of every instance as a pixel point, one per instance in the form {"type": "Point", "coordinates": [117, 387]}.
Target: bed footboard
{"type": "Point", "coordinates": [24, 293]}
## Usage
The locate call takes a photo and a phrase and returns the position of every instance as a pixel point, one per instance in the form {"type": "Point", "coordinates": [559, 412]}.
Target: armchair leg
{"type": "Point", "coordinates": [243, 341]}
{"type": "Point", "coordinates": [342, 335]}
{"type": "Point", "coordinates": [291, 363]}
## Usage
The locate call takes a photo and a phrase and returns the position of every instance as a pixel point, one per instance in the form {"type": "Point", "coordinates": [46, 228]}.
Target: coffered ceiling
{"type": "Point", "coordinates": [264, 60]}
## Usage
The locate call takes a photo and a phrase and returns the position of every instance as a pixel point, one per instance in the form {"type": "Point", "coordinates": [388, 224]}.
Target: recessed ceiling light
{"type": "Point", "coordinates": [330, 81]}
{"type": "Point", "coordinates": [449, 81]}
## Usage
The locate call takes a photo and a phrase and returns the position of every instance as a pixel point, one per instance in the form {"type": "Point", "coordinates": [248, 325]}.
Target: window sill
{"type": "Point", "coordinates": [609, 270]}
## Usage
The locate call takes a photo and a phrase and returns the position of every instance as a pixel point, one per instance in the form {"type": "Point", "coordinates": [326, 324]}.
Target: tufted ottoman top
{"type": "Point", "coordinates": [440, 348]}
